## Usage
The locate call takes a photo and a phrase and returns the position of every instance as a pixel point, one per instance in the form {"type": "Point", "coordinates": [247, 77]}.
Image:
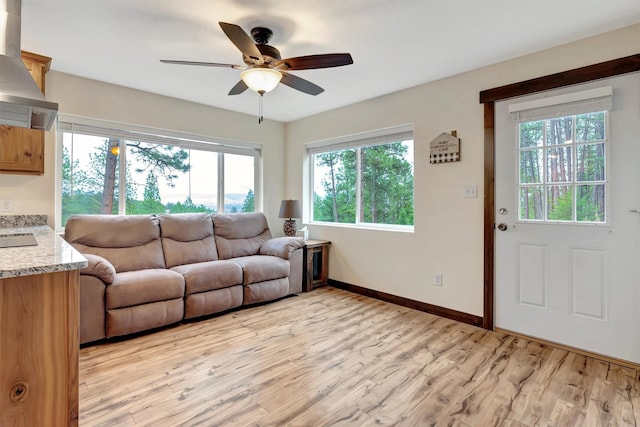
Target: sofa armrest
{"type": "Point", "coordinates": [99, 267]}
{"type": "Point", "coordinates": [282, 247]}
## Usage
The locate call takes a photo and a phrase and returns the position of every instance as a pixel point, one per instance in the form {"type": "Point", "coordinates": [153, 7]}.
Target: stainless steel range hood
{"type": "Point", "coordinates": [22, 104]}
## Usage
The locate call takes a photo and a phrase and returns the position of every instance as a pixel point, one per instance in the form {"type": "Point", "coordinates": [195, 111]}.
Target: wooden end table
{"type": "Point", "coordinates": [317, 254]}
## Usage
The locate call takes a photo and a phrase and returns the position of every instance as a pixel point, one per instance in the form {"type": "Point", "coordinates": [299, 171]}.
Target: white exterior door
{"type": "Point", "coordinates": [567, 226]}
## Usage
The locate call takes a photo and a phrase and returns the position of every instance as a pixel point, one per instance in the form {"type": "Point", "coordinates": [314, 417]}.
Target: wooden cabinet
{"type": "Point", "coordinates": [39, 346]}
{"type": "Point", "coordinates": [22, 150]}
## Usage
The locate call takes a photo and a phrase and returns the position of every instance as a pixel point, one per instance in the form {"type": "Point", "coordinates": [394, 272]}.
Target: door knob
{"type": "Point", "coordinates": [502, 226]}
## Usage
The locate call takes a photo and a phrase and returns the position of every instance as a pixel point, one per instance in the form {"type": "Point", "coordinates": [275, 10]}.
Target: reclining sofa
{"type": "Point", "coordinates": [148, 271]}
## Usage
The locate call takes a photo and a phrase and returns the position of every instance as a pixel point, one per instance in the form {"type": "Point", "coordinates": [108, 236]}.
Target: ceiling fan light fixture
{"type": "Point", "coordinates": [261, 80]}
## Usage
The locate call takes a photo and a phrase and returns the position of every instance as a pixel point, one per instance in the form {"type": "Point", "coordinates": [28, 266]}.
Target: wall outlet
{"type": "Point", "coordinates": [6, 205]}
{"type": "Point", "coordinates": [470, 191]}
{"type": "Point", "coordinates": [437, 279]}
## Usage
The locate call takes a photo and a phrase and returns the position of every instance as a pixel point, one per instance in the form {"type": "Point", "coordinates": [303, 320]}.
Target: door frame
{"type": "Point", "coordinates": [615, 67]}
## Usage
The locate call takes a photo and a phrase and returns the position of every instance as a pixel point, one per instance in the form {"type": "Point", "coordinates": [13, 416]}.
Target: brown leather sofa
{"type": "Point", "coordinates": [148, 271]}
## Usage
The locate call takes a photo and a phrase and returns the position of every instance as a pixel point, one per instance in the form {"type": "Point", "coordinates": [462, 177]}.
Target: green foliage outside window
{"type": "Point", "coordinates": [385, 183]}
{"type": "Point", "coordinates": [92, 187]}
{"type": "Point", "coordinates": [562, 168]}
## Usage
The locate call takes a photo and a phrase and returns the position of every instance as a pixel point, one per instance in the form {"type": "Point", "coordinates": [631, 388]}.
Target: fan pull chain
{"type": "Point", "coordinates": [260, 116]}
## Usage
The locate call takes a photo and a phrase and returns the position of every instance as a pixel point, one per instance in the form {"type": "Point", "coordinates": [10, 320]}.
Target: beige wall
{"type": "Point", "coordinates": [448, 237]}
{"type": "Point", "coordinates": [448, 228]}
{"type": "Point", "coordinates": [99, 100]}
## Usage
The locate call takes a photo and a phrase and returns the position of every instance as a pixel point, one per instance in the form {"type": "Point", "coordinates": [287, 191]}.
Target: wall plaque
{"type": "Point", "coordinates": [444, 148]}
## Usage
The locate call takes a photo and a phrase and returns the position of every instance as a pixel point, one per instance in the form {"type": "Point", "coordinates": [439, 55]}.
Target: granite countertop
{"type": "Point", "coordinates": [52, 254]}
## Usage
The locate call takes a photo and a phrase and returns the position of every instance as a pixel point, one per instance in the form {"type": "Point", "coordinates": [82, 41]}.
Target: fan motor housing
{"type": "Point", "coordinates": [270, 51]}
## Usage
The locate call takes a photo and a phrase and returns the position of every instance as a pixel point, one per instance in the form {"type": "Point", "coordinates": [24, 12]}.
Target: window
{"type": "Point", "coordinates": [364, 180]}
{"type": "Point", "coordinates": [116, 171]}
{"type": "Point", "coordinates": [562, 163]}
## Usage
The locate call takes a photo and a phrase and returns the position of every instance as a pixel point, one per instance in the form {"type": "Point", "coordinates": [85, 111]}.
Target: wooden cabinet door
{"type": "Point", "coordinates": [22, 150]}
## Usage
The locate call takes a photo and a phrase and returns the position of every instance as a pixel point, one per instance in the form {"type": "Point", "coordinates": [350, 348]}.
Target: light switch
{"type": "Point", "coordinates": [471, 191]}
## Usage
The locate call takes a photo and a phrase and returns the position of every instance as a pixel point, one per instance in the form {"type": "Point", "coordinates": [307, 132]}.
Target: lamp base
{"type": "Point", "coordinates": [290, 227]}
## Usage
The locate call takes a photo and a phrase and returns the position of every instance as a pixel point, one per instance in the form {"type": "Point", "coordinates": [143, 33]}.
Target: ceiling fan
{"type": "Point", "coordinates": [264, 68]}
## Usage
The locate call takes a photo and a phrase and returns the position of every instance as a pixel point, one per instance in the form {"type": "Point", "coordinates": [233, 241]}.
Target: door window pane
{"type": "Point", "coordinates": [560, 203]}
{"type": "Point", "coordinates": [590, 165]}
{"type": "Point", "coordinates": [559, 131]}
{"type": "Point", "coordinates": [531, 134]}
{"type": "Point", "coordinates": [573, 179]}
{"type": "Point", "coordinates": [559, 164]}
{"type": "Point", "coordinates": [590, 203]}
{"type": "Point", "coordinates": [531, 168]}
{"type": "Point", "coordinates": [532, 203]}
{"type": "Point", "coordinates": [590, 127]}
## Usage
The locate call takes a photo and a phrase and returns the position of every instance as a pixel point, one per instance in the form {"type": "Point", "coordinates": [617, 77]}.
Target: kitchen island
{"type": "Point", "coordinates": [39, 343]}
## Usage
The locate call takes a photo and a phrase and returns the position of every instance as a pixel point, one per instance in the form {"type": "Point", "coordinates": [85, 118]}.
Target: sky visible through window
{"type": "Point", "coordinates": [200, 183]}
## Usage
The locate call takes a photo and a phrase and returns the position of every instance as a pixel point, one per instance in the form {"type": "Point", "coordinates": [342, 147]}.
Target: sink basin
{"type": "Point", "coordinates": [17, 240]}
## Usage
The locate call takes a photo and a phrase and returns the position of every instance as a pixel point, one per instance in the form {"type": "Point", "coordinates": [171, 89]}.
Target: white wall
{"type": "Point", "coordinates": [448, 235]}
{"type": "Point", "coordinates": [99, 100]}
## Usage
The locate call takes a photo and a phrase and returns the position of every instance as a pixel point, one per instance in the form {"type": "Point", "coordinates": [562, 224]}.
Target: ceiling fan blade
{"type": "Point", "coordinates": [242, 41]}
{"type": "Point", "coordinates": [240, 87]}
{"type": "Point", "coordinates": [205, 64]}
{"type": "Point", "coordinates": [315, 61]}
{"type": "Point", "coordinates": [300, 84]}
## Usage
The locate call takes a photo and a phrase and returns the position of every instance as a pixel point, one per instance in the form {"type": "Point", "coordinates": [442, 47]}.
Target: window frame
{"type": "Point", "coordinates": [357, 142]}
{"type": "Point", "coordinates": [127, 132]}
{"type": "Point", "coordinates": [573, 104]}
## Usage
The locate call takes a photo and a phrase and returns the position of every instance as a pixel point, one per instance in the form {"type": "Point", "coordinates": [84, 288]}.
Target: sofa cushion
{"type": "Point", "coordinates": [258, 268]}
{"type": "Point", "coordinates": [206, 276]}
{"type": "Point", "coordinates": [144, 286]}
{"type": "Point", "coordinates": [203, 303]}
{"type": "Point", "coordinates": [265, 291]}
{"type": "Point", "coordinates": [128, 242]}
{"type": "Point", "coordinates": [187, 238]}
{"type": "Point", "coordinates": [240, 234]}
{"type": "Point", "coordinates": [128, 320]}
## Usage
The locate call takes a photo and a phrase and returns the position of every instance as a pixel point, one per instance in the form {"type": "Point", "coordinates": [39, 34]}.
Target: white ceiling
{"type": "Point", "coordinates": [395, 44]}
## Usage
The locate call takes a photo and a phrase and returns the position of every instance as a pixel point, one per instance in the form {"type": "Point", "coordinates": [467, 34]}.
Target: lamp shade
{"type": "Point", "coordinates": [261, 80]}
{"type": "Point", "coordinates": [290, 209]}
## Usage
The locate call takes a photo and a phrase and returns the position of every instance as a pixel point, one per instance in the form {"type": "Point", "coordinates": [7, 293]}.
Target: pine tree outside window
{"type": "Point", "coordinates": [562, 143]}
{"type": "Point", "coordinates": [155, 172]}
{"type": "Point", "coordinates": [364, 180]}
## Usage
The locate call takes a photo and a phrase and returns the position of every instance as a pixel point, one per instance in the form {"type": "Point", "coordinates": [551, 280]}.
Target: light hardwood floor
{"type": "Point", "coordinates": [330, 357]}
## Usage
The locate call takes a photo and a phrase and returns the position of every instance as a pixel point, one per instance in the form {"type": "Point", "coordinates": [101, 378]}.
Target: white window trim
{"type": "Point", "coordinates": [125, 131]}
{"type": "Point", "coordinates": [364, 139]}
{"type": "Point", "coordinates": [353, 141]}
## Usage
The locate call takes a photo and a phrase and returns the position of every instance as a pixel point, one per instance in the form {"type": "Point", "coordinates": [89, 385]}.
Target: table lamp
{"type": "Point", "coordinates": [290, 209]}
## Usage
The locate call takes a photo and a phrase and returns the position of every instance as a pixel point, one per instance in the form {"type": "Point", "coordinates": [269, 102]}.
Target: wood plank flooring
{"type": "Point", "coordinates": [333, 358]}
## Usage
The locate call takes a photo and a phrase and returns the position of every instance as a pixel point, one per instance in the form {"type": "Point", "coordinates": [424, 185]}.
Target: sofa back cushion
{"type": "Point", "coordinates": [129, 242]}
{"type": "Point", "coordinates": [187, 238]}
{"type": "Point", "coordinates": [240, 234]}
